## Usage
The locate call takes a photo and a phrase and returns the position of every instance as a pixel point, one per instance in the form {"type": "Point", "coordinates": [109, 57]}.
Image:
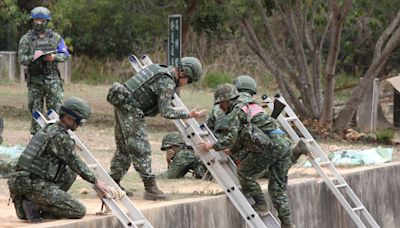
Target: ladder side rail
{"type": "Point", "coordinates": [99, 170]}
{"type": "Point", "coordinates": [177, 102]}
{"type": "Point", "coordinates": [211, 156]}
{"type": "Point", "coordinates": [338, 194]}
{"type": "Point", "coordinates": [229, 187]}
{"type": "Point", "coordinates": [331, 167]}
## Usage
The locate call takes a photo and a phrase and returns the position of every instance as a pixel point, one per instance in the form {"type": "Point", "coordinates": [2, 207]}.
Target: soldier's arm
{"type": "Point", "coordinates": [212, 117]}
{"type": "Point", "coordinates": [231, 137]}
{"type": "Point", "coordinates": [166, 88]}
{"type": "Point", "coordinates": [62, 50]}
{"type": "Point", "coordinates": [63, 146]}
{"type": "Point", "coordinates": [25, 56]}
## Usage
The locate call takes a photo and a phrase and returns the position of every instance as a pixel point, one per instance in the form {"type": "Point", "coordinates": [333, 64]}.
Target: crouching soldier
{"type": "Point", "coordinates": [48, 166]}
{"type": "Point", "coordinates": [180, 158]}
{"type": "Point", "coordinates": [266, 145]}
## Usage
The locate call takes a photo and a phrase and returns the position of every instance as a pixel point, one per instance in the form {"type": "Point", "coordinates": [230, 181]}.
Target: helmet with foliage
{"type": "Point", "coordinates": [192, 68]}
{"type": "Point", "coordinates": [171, 139]}
{"type": "Point", "coordinates": [76, 108]}
{"type": "Point", "coordinates": [40, 12]}
{"type": "Point", "coordinates": [246, 83]}
{"type": "Point", "coordinates": [225, 92]}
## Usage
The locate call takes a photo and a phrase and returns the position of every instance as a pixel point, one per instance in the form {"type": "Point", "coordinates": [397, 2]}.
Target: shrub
{"type": "Point", "coordinates": [214, 79]}
{"type": "Point", "coordinates": [385, 136]}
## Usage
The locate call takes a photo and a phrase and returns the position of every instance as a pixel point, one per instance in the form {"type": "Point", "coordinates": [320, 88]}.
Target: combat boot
{"type": "Point", "coordinates": [128, 193]}
{"type": "Point", "coordinates": [151, 190]}
{"type": "Point", "coordinates": [301, 147]}
{"type": "Point", "coordinates": [32, 211]}
{"type": "Point", "coordinates": [260, 206]}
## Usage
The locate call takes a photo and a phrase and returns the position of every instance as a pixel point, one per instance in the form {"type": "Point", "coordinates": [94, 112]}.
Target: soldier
{"type": "Point", "coordinates": [247, 88]}
{"type": "Point", "coordinates": [180, 158]}
{"type": "Point", "coordinates": [147, 93]}
{"type": "Point", "coordinates": [48, 166]}
{"type": "Point", "coordinates": [7, 167]}
{"type": "Point", "coordinates": [267, 146]}
{"type": "Point", "coordinates": [40, 49]}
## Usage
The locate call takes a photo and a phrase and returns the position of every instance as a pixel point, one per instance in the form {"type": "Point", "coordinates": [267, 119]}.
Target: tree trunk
{"type": "Point", "coordinates": [338, 17]}
{"type": "Point", "coordinates": [380, 57]}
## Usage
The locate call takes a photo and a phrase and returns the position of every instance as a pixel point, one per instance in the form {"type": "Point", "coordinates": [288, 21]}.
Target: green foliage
{"type": "Point", "coordinates": [385, 136]}
{"type": "Point", "coordinates": [214, 79]}
{"type": "Point", "coordinates": [107, 28]}
{"type": "Point", "coordinates": [343, 80]}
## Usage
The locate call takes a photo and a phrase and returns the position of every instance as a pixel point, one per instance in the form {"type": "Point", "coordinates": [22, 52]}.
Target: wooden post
{"type": "Point", "coordinates": [368, 109]}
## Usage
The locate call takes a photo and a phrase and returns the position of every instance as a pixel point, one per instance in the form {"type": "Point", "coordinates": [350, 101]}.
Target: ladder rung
{"type": "Point", "coordinates": [223, 160]}
{"type": "Point", "coordinates": [324, 163]}
{"type": "Point", "coordinates": [92, 166]}
{"type": "Point", "coordinates": [203, 133]}
{"type": "Point", "coordinates": [291, 118]}
{"type": "Point", "coordinates": [358, 208]}
{"type": "Point", "coordinates": [341, 185]}
{"type": "Point", "coordinates": [310, 140]}
{"type": "Point", "coordinates": [139, 222]}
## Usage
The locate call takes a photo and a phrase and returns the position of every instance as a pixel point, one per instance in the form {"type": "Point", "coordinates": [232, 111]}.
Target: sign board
{"type": "Point", "coordinates": [174, 50]}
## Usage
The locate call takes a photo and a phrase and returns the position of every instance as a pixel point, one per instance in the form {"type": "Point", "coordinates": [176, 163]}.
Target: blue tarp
{"type": "Point", "coordinates": [359, 157]}
{"type": "Point", "coordinates": [12, 152]}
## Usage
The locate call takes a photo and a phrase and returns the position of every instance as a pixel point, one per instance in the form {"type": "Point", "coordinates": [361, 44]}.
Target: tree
{"type": "Point", "coordinates": [386, 44]}
{"type": "Point", "coordinates": [293, 51]}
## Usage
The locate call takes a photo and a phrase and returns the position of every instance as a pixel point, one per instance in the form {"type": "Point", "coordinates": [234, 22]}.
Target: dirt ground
{"type": "Point", "coordinates": [98, 136]}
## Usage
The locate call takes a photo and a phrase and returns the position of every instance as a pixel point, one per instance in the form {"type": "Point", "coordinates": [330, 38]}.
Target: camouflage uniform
{"type": "Point", "coordinates": [154, 96]}
{"type": "Point", "coordinates": [44, 82]}
{"type": "Point", "coordinates": [7, 167]}
{"type": "Point", "coordinates": [45, 171]}
{"type": "Point", "coordinates": [276, 157]}
{"type": "Point", "coordinates": [182, 160]}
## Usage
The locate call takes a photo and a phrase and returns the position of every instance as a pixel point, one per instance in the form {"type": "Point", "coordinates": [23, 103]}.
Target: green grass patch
{"type": "Point", "coordinates": [385, 136]}
{"type": "Point", "coordinates": [214, 79]}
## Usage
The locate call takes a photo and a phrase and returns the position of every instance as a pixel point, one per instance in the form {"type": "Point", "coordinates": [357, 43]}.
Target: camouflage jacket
{"type": "Point", "coordinates": [30, 42]}
{"type": "Point", "coordinates": [59, 151]}
{"type": "Point", "coordinates": [164, 89]}
{"type": "Point", "coordinates": [235, 119]}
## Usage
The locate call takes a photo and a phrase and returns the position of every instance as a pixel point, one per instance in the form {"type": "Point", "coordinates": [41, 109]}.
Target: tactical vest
{"type": "Point", "coordinates": [139, 86]}
{"type": "Point", "coordinates": [33, 160]}
{"type": "Point", "coordinates": [47, 43]}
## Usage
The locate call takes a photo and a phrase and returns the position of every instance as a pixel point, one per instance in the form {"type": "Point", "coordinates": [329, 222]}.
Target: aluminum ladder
{"type": "Point", "coordinates": [318, 159]}
{"type": "Point", "coordinates": [135, 218]}
{"type": "Point", "coordinates": [220, 165]}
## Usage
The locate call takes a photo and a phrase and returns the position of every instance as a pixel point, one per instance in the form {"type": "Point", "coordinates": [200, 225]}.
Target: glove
{"type": "Point", "coordinates": [170, 155]}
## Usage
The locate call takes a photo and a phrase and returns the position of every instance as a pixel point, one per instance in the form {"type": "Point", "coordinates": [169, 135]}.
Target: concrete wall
{"type": "Point", "coordinates": [312, 203]}
{"type": "Point", "coordinates": [7, 65]}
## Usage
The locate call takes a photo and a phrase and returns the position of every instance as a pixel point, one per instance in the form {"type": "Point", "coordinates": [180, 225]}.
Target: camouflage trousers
{"type": "Point", "coordinates": [132, 145]}
{"type": "Point", "coordinates": [277, 160]}
{"type": "Point", "coordinates": [50, 197]}
{"type": "Point", "coordinates": [52, 92]}
{"type": "Point", "coordinates": [183, 162]}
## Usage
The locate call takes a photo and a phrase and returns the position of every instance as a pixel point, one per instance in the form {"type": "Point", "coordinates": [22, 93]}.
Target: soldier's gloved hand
{"type": "Point", "coordinates": [102, 187]}
{"type": "Point", "coordinates": [170, 155]}
{"type": "Point", "coordinates": [37, 54]}
{"type": "Point", "coordinates": [194, 113]}
{"type": "Point", "coordinates": [49, 58]}
{"type": "Point", "coordinates": [204, 147]}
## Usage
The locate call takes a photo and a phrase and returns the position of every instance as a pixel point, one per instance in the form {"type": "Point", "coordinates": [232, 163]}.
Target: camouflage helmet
{"type": "Point", "coordinates": [171, 139]}
{"type": "Point", "coordinates": [245, 82]}
{"type": "Point", "coordinates": [40, 12]}
{"type": "Point", "coordinates": [76, 108]}
{"type": "Point", "coordinates": [192, 68]}
{"type": "Point", "coordinates": [225, 92]}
